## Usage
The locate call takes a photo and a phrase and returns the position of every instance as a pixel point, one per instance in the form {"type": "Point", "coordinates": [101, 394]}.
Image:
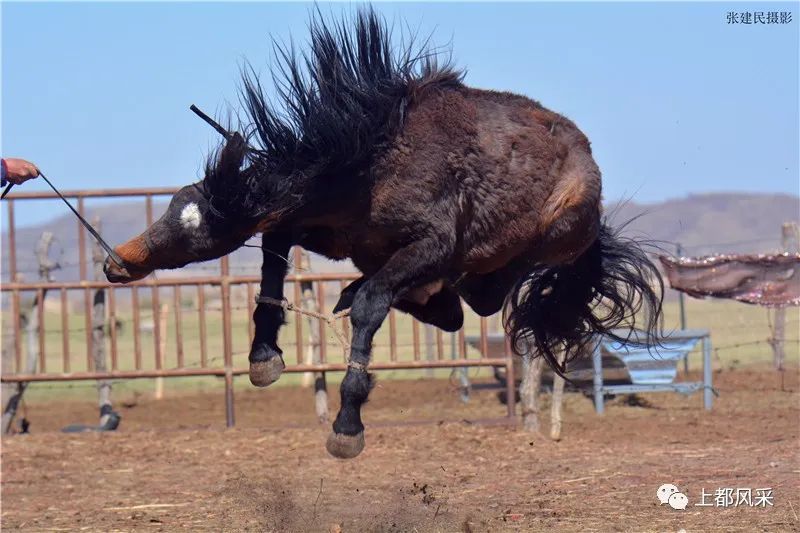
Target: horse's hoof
{"type": "Point", "coordinates": [345, 446]}
{"type": "Point", "coordinates": [263, 373]}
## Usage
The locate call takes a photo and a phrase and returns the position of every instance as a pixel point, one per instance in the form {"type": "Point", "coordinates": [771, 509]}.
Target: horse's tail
{"type": "Point", "coordinates": [559, 309]}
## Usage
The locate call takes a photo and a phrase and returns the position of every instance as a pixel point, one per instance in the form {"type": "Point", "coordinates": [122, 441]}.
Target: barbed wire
{"type": "Point", "coordinates": [255, 266]}
{"type": "Point", "coordinates": [769, 341]}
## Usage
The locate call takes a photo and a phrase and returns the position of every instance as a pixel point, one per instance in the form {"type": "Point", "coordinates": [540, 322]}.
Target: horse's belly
{"type": "Point", "coordinates": [421, 295]}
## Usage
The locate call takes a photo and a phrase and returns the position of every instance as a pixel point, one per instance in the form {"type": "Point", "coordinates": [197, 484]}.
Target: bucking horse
{"type": "Point", "coordinates": [435, 190]}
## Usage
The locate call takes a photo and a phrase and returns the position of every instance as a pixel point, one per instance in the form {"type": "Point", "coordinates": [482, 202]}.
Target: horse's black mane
{"type": "Point", "coordinates": [339, 103]}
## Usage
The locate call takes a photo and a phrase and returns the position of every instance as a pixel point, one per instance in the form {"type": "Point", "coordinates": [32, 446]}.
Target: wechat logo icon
{"type": "Point", "coordinates": [672, 496]}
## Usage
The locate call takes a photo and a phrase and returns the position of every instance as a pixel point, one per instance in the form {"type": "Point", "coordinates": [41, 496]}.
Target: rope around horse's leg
{"type": "Point", "coordinates": [286, 305]}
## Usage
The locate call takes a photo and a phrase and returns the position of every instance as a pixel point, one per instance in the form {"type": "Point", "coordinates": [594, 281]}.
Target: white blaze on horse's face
{"type": "Point", "coordinates": [190, 216]}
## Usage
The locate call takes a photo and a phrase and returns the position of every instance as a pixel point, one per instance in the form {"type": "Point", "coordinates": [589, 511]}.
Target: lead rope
{"type": "Point", "coordinates": [110, 251]}
{"type": "Point", "coordinates": [331, 319]}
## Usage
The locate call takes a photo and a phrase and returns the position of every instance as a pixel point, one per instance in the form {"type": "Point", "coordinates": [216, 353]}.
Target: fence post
{"type": "Point", "coordinates": [511, 383]}
{"type": "Point", "coordinates": [463, 374]}
{"type": "Point", "coordinates": [162, 347]}
{"type": "Point", "coordinates": [529, 391]}
{"type": "Point", "coordinates": [429, 352]}
{"type": "Point", "coordinates": [10, 360]}
{"type": "Point", "coordinates": [8, 389]}
{"type": "Point", "coordinates": [682, 307]}
{"type": "Point", "coordinates": [98, 330]}
{"type": "Point", "coordinates": [557, 401]}
{"type": "Point", "coordinates": [227, 346]}
{"type": "Point", "coordinates": [597, 381]}
{"type": "Point", "coordinates": [790, 241]}
{"type": "Point", "coordinates": [33, 328]}
{"type": "Point", "coordinates": [314, 353]}
{"type": "Point", "coordinates": [308, 302]}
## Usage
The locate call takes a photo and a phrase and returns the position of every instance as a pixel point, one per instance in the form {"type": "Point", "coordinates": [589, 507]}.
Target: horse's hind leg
{"type": "Point", "coordinates": [266, 359]}
{"type": "Point", "coordinates": [443, 309]}
{"type": "Point", "coordinates": [418, 263]}
{"type": "Point", "coordinates": [486, 293]}
{"type": "Point", "coordinates": [348, 294]}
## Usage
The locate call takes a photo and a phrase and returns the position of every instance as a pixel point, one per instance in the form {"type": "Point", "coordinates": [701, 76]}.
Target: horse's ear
{"type": "Point", "coordinates": [232, 156]}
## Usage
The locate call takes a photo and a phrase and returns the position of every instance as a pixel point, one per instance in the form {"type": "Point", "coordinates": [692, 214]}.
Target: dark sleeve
{"type": "Point", "coordinates": [3, 172]}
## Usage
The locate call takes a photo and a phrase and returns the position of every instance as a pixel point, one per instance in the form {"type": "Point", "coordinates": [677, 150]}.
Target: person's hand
{"type": "Point", "coordinates": [19, 171]}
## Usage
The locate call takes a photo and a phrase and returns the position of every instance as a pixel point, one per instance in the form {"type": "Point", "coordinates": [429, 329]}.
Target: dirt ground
{"type": "Point", "coordinates": [431, 463]}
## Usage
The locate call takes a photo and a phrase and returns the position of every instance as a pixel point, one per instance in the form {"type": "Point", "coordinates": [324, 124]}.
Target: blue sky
{"type": "Point", "coordinates": [674, 100]}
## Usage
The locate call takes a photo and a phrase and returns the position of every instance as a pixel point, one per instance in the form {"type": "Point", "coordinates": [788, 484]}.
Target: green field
{"type": "Point", "coordinates": [739, 333]}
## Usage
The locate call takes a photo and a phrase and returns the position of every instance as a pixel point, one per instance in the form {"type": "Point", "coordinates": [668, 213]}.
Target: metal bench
{"type": "Point", "coordinates": [617, 369]}
{"type": "Point", "coordinates": [653, 369]}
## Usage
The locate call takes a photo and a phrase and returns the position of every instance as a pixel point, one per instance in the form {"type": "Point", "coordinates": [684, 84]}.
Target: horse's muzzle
{"type": "Point", "coordinates": [116, 273]}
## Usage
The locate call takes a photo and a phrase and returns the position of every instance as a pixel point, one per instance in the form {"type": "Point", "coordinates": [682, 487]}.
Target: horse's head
{"type": "Point", "coordinates": [199, 224]}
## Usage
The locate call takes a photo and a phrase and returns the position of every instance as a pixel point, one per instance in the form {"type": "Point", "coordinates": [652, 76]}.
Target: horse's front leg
{"type": "Point", "coordinates": [421, 262]}
{"type": "Point", "coordinates": [266, 359]}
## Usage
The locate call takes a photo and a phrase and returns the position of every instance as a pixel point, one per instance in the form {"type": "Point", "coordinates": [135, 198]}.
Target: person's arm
{"type": "Point", "coordinates": [17, 171]}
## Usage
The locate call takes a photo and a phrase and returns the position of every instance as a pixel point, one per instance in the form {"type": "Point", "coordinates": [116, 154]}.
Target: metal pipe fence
{"type": "Point", "coordinates": [194, 348]}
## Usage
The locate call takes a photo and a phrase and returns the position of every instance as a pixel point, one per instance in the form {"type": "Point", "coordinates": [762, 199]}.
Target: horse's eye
{"type": "Point", "coordinates": [190, 216]}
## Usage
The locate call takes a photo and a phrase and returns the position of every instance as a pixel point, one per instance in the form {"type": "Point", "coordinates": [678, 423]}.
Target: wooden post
{"type": "Point", "coordinates": [33, 328]}
{"type": "Point", "coordinates": [314, 351]}
{"type": "Point", "coordinates": [496, 323]}
{"type": "Point", "coordinates": [556, 404]}
{"type": "Point", "coordinates": [309, 303]}
{"type": "Point", "coordinates": [597, 379]}
{"type": "Point", "coordinates": [460, 351]}
{"type": "Point", "coordinates": [790, 240]}
{"type": "Point", "coordinates": [227, 345]}
{"type": "Point", "coordinates": [98, 329]}
{"type": "Point", "coordinates": [511, 381]}
{"type": "Point", "coordinates": [162, 344]}
{"type": "Point", "coordinates": [529, 391]}
{"type": "Point", "coordinates": [8, 389]}
{"type": "Point", "coordinates": [778, 334]}
{"type": "Point", "coordinates": [682, 308]}
{"type": "Point", "coordinates": [429, 352]}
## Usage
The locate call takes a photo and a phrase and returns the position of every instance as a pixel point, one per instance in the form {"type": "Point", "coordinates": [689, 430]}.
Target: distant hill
{"type": "Point", "coordinates": [703, 224]}
{"type": "Point", "coordinates": [712, 223]}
